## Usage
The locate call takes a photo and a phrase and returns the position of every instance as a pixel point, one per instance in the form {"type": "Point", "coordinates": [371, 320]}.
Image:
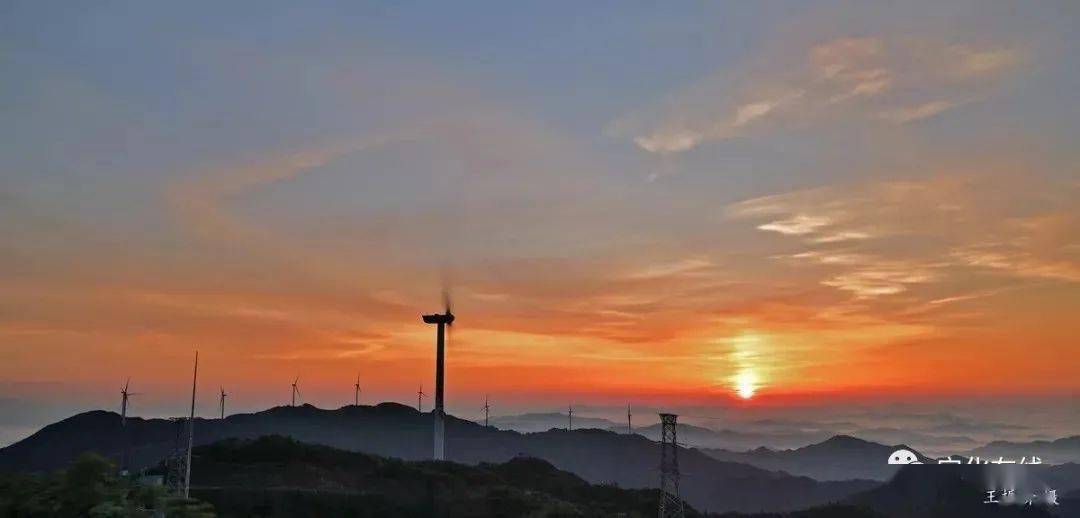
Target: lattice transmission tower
{"type": "Point", "coordinates": [671, 505]}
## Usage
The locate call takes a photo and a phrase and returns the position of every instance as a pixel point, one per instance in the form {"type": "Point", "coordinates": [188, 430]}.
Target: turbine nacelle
{"type": "Point", "coordinates": [439, 318]}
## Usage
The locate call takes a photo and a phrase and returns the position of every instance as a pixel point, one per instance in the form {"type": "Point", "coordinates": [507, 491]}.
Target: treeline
{"type": "Point", "coordinates": [90, 486]}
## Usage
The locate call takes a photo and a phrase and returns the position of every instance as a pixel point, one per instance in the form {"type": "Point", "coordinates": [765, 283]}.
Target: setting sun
{"type": "Point", "coordinates": [746, 384]}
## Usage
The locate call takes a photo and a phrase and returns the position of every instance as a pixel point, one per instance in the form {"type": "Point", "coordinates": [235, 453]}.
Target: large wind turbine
{"type": "Point", "coordinates": [420, 398]}
{"type": "Point", "coordinates": [439, 414]}
{"type": "Point", "coordinates": [124, 395]}
{"type": "Point", "coordinates": [223, 394]}
{"type": "Point", "coordinates": [356, 394]}
{"type": "Point", "coordinates": [295, 390]}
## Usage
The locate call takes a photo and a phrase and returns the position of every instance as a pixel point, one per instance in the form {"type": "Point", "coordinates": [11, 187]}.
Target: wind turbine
{"type": "Point", "coordinates": [439, 415]}
{"type": "Point", "coordinates": [295, 390]}
{"type": "Point", "coordinates": [570, 416]}
{"type": "Point", "coordinates": [124, 395]}
{"type": "Point", "coordinates": [629, 423]}
{"type": "Point", "coordinates": [420, 398]}
{"type": "Point", "coordinates": [356, 394]}
{"type": "Point", "coordinates": [191, 430]}
{"type": "Point", "coordinates": [487, 410]}
{"type": "Point", "coordinates": [223, 394]}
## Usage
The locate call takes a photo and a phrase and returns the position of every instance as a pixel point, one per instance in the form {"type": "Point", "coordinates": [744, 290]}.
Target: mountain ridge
{"type": "Point", "coordinates": [393, 430]}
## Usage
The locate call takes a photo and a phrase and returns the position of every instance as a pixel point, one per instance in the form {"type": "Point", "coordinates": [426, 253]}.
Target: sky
{"type": "Point", "coordinates": [719, 204]}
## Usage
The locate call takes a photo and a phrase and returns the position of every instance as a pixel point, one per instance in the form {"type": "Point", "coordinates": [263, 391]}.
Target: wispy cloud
{"type": "Point", "coordinates": [891, 80]}
{"type": "Point", "coordinates": [885, 238]}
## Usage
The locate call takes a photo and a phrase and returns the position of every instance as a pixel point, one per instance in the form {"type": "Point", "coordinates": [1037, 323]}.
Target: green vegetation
{"type": "Point", "coordinates": [278, 476]}
{"type": "Point", "coordinates": [90, 486]}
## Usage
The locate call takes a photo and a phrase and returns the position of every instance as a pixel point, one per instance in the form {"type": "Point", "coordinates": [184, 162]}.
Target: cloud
{"type": "Point", "coordinates": [880, 239]}
{"type": "Point", "coordinates": [890, 80]}
{"type": "Point", "coordinates": [914, 113]}
{"type": "Point", "coordinates": [797, 225]}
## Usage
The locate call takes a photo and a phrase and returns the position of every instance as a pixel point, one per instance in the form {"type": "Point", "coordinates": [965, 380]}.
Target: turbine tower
{"type": "Point", "coordinates": [439, 414]}
{"type": "Point", "coordinates": [629, 422]}
{"type": "Point", "coordinates": [191, 430]}
{"type": "Point", "coordinates": [295, 391]}
{"type": "Point", "coordinates": [420, 399]}
{"type": "Point", "coordinates": [124, 395]}
{"type": "Point", "coordinates": [356, 393]}
{"type": "Point", "coordinates": [487, 410]}
{"type": "Point", "coordinates": [223, 394]}
{"type": "Point", "coordinates": [570, 417]}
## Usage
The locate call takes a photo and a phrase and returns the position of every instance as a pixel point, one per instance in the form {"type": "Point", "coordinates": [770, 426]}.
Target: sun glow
{"type": "Point", "coordinates": [745, 384]}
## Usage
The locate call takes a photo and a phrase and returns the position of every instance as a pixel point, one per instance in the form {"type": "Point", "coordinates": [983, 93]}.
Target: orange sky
{"type": "Point", "coordinates": [825, 213]}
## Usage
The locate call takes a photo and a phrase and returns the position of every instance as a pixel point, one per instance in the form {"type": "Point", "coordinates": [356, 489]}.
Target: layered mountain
{"type": "Point", "coordinates": [839, 458]}
{"type": "Point", "coordinates": [961, 491]}
{"type": "Point", "coordinates": [544, 421]}
{"type": "Point", "coordinates": [735, 440]}
{"type": "Point", "coordinates": [1059, 451]}
{"type": "Point", "coordinates": [398, 431]}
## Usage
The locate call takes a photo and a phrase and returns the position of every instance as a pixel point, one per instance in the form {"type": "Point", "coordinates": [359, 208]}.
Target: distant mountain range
{"type": "Point", "coordinates": [701, 437]}
{"type": "Point", "coordinates": [394, 430]}
{"type": "Point", "coordinates": [838, 458]}
{"type": "Point", "coordinates": [542, 422]}
{"type": "Point", "coordinates": [1059, 451]}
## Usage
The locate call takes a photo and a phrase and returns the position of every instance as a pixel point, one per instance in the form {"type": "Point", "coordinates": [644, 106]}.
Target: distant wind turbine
{"type": "Point", "coordinates": [356, 394]}
{"type": "Point", "coordinates": [487, 410]}
{"type": "Point", "coordinates": [223, 394]}
{"type": "Point", "coordinates": [420, 398]}
{"type": "Point", "coordinates": [295, 390]}
{"type": "Point", "coordinates": [629, 423]}
{"type": "Point", "coordinates": [124, 395]}
{"type": "Point", "coordinates": [570, 416]}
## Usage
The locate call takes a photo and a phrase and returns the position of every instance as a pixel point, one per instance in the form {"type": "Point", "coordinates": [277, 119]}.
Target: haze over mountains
{"type": "Point", "coordinates": [838, 458]}
{"type": "Point", "coordinates": [935, 433]}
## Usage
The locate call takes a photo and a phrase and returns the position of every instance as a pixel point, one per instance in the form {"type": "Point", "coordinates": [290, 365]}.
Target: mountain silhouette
{"type": "Point", "coordinates": [950, 491]}
{"type": "Point", "coordinates": [398, 431]}
{"type": "Point", "coordinates": [278, 476]}
{"type": "Point", "coordinates": [1058, 451]}
{"type": "Point", "coordinates": [544, 421]}
{"type": "Point", "coordinates": [734, 440]}
{"type": "Point", "coordinates": [840, 457]}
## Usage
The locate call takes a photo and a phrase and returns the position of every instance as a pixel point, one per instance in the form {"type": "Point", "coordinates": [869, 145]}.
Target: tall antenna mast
{"type": "Point", "coordinates": [223, 402]}
{"type": "Point", "coordinates": [487, 410]}
{"type": "Point", "coordinates": [191, 429]}
{"type": "Point", "coordinates": [439, 413]}
{"type": "Point", "coordinates": [670, 502]}
{"type": "Point", "coordinates": [570, 416]}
